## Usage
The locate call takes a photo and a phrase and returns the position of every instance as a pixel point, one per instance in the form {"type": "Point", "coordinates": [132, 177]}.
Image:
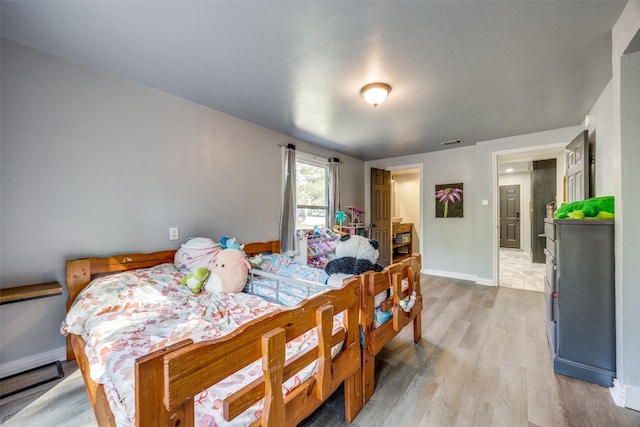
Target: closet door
{"type": "Point", "coordinates": [381, 212]}
{"type": "Point", "coordinates": [577, 162]}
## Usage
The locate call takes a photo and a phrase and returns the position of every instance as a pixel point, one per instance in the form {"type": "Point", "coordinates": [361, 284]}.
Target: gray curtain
{"type": "Point", "coordinates": [334, 190]}
{"type": "Point", "coordinates": [288, 215]}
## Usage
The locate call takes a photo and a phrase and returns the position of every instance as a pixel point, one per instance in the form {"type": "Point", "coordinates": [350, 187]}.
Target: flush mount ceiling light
{"type": "Point", "coordinates": [375, 93]}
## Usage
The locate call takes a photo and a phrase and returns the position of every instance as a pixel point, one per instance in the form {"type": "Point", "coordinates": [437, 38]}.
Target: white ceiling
{"type": "Point", "coordinates": [469, 70]}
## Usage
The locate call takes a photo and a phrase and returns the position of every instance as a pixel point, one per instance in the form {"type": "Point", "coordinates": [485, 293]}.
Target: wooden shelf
{"type": "Point", "coordinates": [399, 245]}
{"type": "Point", "coordinates": [404, 229]}
{"type": "Point", "coordinates": [398, 258]}
{"type": "Point", "coordinates": [29, 292]}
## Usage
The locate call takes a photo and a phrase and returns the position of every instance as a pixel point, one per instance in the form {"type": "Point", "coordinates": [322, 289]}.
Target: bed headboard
{"type": "Point", "coordinates": [272, 247]}
{"type": "Point", "coordinates": [81, 271]}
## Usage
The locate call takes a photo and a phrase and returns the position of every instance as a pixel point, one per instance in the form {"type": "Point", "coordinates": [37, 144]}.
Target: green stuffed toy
{"type": "Point", "coordinates": [594, 208]}
{"type": "Point", "coordinates": [195, 280]}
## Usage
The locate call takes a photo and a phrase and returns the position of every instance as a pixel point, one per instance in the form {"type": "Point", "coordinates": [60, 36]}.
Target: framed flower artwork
{"type": "Point", "coordinates": [449, 203]}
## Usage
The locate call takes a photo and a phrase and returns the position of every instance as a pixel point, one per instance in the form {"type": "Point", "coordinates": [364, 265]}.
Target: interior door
{"type": "Point", "coordinates": [381, 212]}
{"type": "Point", "coordinates": [577, 164]}
{"type": "Point", "coordinates": [510, 216]}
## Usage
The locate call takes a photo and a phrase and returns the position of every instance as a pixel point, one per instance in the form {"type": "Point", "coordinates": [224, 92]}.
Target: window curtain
{"type": "Point", "coordinates": [288, 215]}
{"type": "Point", "coordinates": [334, 190]}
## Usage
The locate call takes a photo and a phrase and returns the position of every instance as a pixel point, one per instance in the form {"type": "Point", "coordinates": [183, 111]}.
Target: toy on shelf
{"type": "Point", "coordinates": [316, 246]}
{"type": "Point", "coordinates": [356, 225]}
{"type": "Point", "coordinates": [341, 216]}
{"type": "Point", "coordinates": [357, 216]}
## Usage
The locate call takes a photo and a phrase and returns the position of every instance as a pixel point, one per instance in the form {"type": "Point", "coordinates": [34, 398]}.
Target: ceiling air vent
{"type": "Point", "coordinates": [452, 142]}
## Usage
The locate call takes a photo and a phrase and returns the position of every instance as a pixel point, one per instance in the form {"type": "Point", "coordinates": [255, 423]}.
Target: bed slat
{"type": "Point", "coordinates": [273, 356]}
{"type": "Point", "coordinates": [324, 320]}
{"type": "Point", "coordinates": [238, 402]}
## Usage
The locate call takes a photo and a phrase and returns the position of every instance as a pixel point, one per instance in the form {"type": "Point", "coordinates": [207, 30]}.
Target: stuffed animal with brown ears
{"type": "Point", "coordinates": [228, 271]}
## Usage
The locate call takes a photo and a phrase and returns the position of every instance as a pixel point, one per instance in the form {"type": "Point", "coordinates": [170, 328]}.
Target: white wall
{"type": "Point", "coordinates": [486, 233]}
{"type": "Point", "coordinates": [94, 165]}
{"type": "Point", "coordinates": [601, 130]}
{"type": "Point", "coordinates": [630, 137]}
{"type": "Point", "coordinates": [626, 133]}
{"type": "Point", "coordinates": [444, 241]}
{"type": "Point", "coordinates": [466, 247]}
{"type": "Point", "coordinates": [524, 181]}
{"type": "Point", "coordinates": [406, 198]}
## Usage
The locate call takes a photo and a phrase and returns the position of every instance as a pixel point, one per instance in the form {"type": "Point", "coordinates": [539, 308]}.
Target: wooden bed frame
{"type": "Point", "coordinates": [167, 380]}
{"type": "Point", "coordinates": [373, 284]}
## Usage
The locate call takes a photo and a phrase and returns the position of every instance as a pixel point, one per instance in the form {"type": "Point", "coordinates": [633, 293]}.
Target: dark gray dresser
{"type": "Point", "coordinates": [579, 294]}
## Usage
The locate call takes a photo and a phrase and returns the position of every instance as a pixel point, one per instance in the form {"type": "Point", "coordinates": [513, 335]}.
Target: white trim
{"type": "Point", "coordinates": [312, 159]}
{"type": "Point", "coordinates": [485, 281]}
{"type": "Point", "coordinates": [461, 276]}
{"type": "Point", "coordinates": [617, 392]}
{"type": "Point", "coordinates": [632, 397]}
{"type": "Point", "coordinates": [32, 361]}
{"type": "Point", "coordinates": [450, 274]}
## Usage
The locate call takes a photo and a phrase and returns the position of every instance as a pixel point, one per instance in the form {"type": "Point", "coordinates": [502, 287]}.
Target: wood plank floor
{"type": "Point", "coordinates": [483, 360]}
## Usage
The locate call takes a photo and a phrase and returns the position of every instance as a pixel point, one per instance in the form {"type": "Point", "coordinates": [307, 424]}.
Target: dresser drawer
{"type": "Point", "coordinates": [550, 230]}
{"type": "Point", "coordinates": [550, 272]}
{"type": "Point", "coordinates": [401, 228]}
{"type": "Point", "coordinates": [551, 247]}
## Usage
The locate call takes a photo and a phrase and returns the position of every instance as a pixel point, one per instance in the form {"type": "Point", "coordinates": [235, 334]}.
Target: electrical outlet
{"type": "Point", "coordinates": [173, 233]}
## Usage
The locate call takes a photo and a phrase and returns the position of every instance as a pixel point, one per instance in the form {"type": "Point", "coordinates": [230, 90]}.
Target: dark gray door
{"type": "Point", "coordinates": [510, 216]}
{"type": "Point", "coordinates": [381, 212]}
{"type": "Point", "coordinates": [577, 164]}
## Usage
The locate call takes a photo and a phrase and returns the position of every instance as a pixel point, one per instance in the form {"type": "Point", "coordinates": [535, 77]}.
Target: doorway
{"type": "Point", "coordinates": [406, 211]}
{"type": "Point", "coordinates": [514, 266]}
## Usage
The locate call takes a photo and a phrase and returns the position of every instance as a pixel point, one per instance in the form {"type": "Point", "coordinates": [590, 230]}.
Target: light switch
{"type": "Point", "coordinates": [485, 203]}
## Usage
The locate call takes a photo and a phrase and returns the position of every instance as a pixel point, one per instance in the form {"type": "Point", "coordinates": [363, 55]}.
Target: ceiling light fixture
{"type": "Point", "coordinates": [375, 93]}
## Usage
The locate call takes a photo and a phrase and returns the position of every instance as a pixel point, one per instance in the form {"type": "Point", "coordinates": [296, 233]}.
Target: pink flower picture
{"type": "Point", "coordinates": [449, 200]}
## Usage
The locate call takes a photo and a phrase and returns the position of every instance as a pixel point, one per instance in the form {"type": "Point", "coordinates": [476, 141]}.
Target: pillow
{"type": "Point", "coordinates": [195, 252]}
{"type": "Point", "coordinates": [273, 262]}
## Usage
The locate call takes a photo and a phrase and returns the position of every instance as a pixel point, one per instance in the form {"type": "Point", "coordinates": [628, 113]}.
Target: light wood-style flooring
{"type": "Point", "coordinates": [483, 361]}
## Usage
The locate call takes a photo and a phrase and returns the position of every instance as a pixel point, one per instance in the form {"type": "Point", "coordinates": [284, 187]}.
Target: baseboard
{"type": "Point", "coordinates": [485, 282]}
{"type": "Point", "coordinates": [461, 276]}
{"type": "Point", "coordinates": [617, 393]}
{"type": "Point", "coordinates": [632, 397]}
{"type": "Point", "coordinates": [32, 361]}
{"type": "Point", "coordinates": [451, 274]}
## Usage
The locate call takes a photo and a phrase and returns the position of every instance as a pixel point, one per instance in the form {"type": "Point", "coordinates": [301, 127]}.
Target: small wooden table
{"type": "Point", "coordinates": [26, 293]}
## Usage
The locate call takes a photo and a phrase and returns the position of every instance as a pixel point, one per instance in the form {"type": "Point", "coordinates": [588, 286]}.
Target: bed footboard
{"type": "Point", "coordinates": [372, 284]}
{"type": "Point", "coordinates": [168, 380]}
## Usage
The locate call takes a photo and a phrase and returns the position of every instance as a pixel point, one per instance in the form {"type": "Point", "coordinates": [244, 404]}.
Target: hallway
{"type": "Point", "coordinates": [518, 272]}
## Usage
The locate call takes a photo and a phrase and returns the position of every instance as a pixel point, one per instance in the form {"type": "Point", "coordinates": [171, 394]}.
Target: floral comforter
{"type": "Point", "coordinates": [124, 316]}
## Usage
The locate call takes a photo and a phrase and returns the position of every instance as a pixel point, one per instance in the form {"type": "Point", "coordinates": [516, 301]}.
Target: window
{"type": "Point", "coordinates": [312, 202]}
